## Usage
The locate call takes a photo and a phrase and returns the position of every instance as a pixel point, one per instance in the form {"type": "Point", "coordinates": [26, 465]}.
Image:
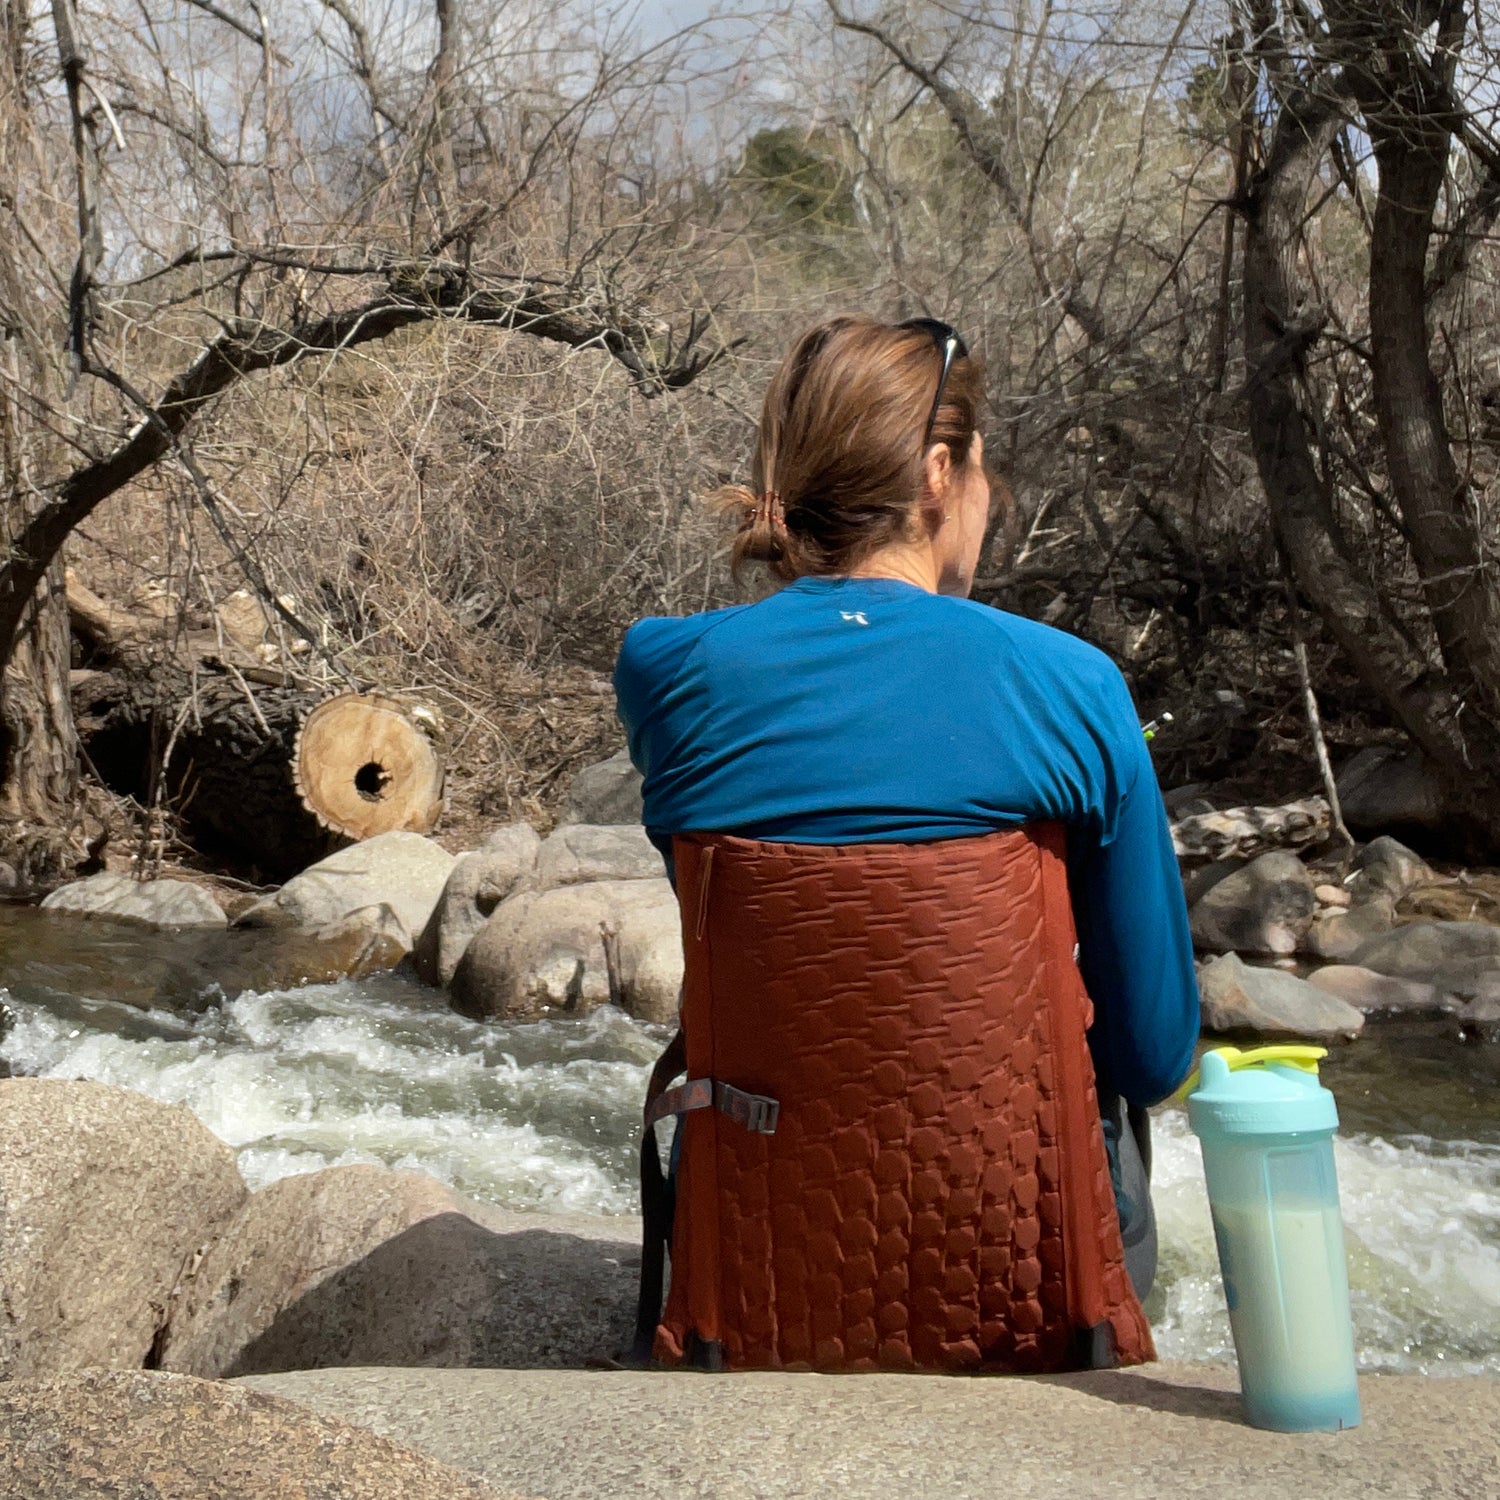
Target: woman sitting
{"type": "Point", "coordinates": [907, 831]}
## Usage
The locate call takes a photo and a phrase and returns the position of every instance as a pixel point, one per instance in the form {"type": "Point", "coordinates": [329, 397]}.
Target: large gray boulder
{"type": "Point", "coordinates": [609, 792]}
{"type": "Point", "coordinates": [1385, 867]}
{"type": "Point", "coordinates": [583, 852]}
{"type": "Point", "coordinates": [139, 1435]}
{"type": "Point", "coordinates": [1424, 950]}
{"type": "Point", "coordinates": [1236, 997]}
{"type": "Point", "coordinates": [401, 871]}
{"type": "Point", "coordinates": [363, 1266]}
{"type": "Point", "coordinates": [479, 882]}
{"type": "Point", "coordinates": [1265, 908]}
{"type": "Point", "coordinates": [154, 903]}
{"type": "Point", "coordinates": [105, 1195]}
{"type": "Point", "coordinates": [1366, 990]}
{"type": "Point", "coordinates": [1381, 788]}
{"type": "Point", "coordinates": [544, 950]}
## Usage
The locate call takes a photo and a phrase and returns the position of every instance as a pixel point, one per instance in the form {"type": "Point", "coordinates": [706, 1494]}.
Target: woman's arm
{"type": "Point", "coordinates": [1134, 947]}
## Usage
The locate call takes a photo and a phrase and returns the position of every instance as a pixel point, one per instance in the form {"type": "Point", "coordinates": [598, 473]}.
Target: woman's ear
{"type": "Point", "coordinates": [937, 479]}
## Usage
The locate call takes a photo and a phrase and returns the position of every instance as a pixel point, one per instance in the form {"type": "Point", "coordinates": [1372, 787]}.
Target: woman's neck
{"type": "Point", "coordinates": [904, 562]}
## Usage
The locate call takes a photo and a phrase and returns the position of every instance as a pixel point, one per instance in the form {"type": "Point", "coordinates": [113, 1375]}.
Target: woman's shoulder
{"type": "Point", "coordinates": [655, 646]}
{"type": "Point", "coordinates": [659, 632]}
{"type": "Point", "coordinates": [1041, 649]}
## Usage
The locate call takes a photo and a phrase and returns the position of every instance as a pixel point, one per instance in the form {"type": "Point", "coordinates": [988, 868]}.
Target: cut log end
{"type": "Point", "coordinates": [366, 764]}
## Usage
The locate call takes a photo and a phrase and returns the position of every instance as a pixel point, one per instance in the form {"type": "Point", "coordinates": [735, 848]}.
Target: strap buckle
{"type": "Point", "coordinates": [756, 1112]}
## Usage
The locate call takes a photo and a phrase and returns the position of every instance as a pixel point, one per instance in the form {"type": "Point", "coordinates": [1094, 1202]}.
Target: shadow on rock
{"type": "Point", "coordinates": [1145, 1391]}
{"type": "Point", "coordinates": [450, 1292]}
{"type": "Point", "coordinates": [359, 1265]}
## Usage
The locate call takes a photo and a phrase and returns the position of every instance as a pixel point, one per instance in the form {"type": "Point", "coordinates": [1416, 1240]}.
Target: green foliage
{"type": "Point", "coordinates": [800, 178]}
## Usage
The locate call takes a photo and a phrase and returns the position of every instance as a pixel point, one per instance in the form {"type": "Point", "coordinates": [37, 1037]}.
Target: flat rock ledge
{"type": "Point", "coordinates": [130, 1435]}
{"type": "Point", "coordinates": [1165, 1431]}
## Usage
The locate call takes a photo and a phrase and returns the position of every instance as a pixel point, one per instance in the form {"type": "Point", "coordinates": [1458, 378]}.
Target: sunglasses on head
{"type": "Point", "coordinates": [950, 344]}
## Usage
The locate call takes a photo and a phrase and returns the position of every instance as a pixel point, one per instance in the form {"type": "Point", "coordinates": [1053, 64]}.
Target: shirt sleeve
{"type": "Point", "coordinates": [1135, 950]}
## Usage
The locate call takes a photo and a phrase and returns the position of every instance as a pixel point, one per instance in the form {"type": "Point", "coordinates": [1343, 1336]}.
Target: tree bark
{"type": "Point", "coordinates": [1280, 328]}
{"type": "Point", "coordinates": [1411, 119]}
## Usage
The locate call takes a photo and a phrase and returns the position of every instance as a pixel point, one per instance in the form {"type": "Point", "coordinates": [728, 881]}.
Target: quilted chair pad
{"type": "Point", "coordinates": [936, 1194]}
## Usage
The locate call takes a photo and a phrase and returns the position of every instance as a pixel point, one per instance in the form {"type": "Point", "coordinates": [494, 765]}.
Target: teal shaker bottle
{"type": "Point", "coordinates": [1267, 1126]}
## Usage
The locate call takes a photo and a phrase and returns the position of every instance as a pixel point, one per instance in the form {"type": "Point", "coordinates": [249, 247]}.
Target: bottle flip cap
{"type": "Point", "coordinates": [1263, 1091]}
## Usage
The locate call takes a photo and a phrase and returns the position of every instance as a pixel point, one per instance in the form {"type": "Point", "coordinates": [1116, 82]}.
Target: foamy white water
{"type": "Point", "coordinates": [1422, 1232]}
{"type": "Point", "coordinates": [543, 1116]}
{"type": "Point", "coordinates": [535, 1117]}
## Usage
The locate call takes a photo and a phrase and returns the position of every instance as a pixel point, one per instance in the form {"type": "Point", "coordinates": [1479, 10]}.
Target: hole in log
{"type": "Point", "coordinates": [371, 780]}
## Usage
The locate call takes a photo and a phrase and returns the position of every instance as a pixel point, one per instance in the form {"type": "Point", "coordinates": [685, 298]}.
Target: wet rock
{"type": "Point", "coordinates": [544, 950]}
{"type": "Point", "coordinates": [1237, 997]}
{"type": "Point", "coordinates": [1386, 867]}
{"type": "Point", "coordinates": [1184, 801]}
{"type": "Point", "coordinates": [583, 852]}
{"type": "Point", "coordinates": [155, 903]}
{"type": "Point", "coordinates": [1196, 884]}
{"type": "Point", "coordinates": [367, 941]}
{"type": "Point", "coordinates": [1464, 983]}
{"type": "Point", "coordinates": [1264, 908]}
{"type": "Point", "coordinates": [402, 871]}
{"type": "Point", "coordinates": [363, 1266]}
{"type": "Point", "coordinates": [1423, 950]}
{"type": "Point", "coordinates": [1380, 788]}
{"type": "Point", "coordinates": [1367, 991]}
{"type": "Point", "coordinates": [480, 881]}
{"type": "Point", "coordinates": [105, 1195]}
{"type": "Point", "coordinates": [1479, 1020]}
{"type": "Point", "coordinates": [1337, 935]}
{"type": "Point", "coordinates": [609, 792]}
{"type": "Point", "coordinates": [141, 1435]}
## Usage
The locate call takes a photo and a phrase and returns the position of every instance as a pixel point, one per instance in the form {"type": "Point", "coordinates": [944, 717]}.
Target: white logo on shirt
{"type": "Point", "coordinates": [858, 616]}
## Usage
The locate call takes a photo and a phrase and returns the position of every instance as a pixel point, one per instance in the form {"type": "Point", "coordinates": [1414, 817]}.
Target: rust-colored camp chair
{"type": "Point", "coordinates": [891, 1155]}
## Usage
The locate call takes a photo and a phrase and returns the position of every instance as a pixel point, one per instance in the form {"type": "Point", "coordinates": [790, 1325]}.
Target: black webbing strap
{"type": "Point", "coordinates": [657, 1195]}
{"type": "Point", "coordinates": [756, 1112]}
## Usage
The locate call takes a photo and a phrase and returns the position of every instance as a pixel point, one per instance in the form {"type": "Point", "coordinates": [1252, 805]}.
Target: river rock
{"type": "Point", "coordinates": [1264, 908]}
{"type": "Point", "coordinates": [1336, 935]}
{"type": "Point", "coordinates": [609, 792]}
{"type": "Point", "coordinates": [1237, 997]}
{"type": "Point", "coordinates": [1479, 1020]}
{"type": "Point", "coordinates": [104, 1196]}
{"type": "Point", "coordinates": [1386, 867]}
{"type": "Point", "coordinates": [155, 903]}
{"type": "Point", "coordinates": [1196, 884]}
{"type": "Point", "coordinates": [402, 871]}
{"type": "Point", "coordinates": [1423, 950]}
{"type": "Point", "coordinates": [479, 882]}
{"type": "Point", "coordinates": [138, 1435]}
{"type": "Point", "coordinates": [1333, 895]}
{"type": "Point", "coordinates": [1366, 990]}
{"type": "Point", "coordinates": [543, 950]}
{"type": "Point", "coordinates": [359, 1265]}
{"type": "Point", "coordinates": [1381, 788]}
{"type": "Point", "coordinates": [583, 852]}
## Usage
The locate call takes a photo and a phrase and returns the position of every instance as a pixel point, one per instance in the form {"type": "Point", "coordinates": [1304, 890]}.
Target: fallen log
{"type": "Point", "coordinates": [1245, 832]}
{"type": "Point", "coordinates": [272, 774]}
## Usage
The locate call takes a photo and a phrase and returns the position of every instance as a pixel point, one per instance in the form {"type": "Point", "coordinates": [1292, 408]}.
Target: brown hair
{"type": "Point", "coordinates": [838, 465]}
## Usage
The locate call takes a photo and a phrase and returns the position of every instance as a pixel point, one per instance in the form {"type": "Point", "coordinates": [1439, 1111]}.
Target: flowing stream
{"type": "Point", "coordinates": [542, 1116]}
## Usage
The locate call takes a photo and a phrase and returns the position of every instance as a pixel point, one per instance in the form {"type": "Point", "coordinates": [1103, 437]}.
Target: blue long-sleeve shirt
{"type": "Point", "coordinates": [849, 710]}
